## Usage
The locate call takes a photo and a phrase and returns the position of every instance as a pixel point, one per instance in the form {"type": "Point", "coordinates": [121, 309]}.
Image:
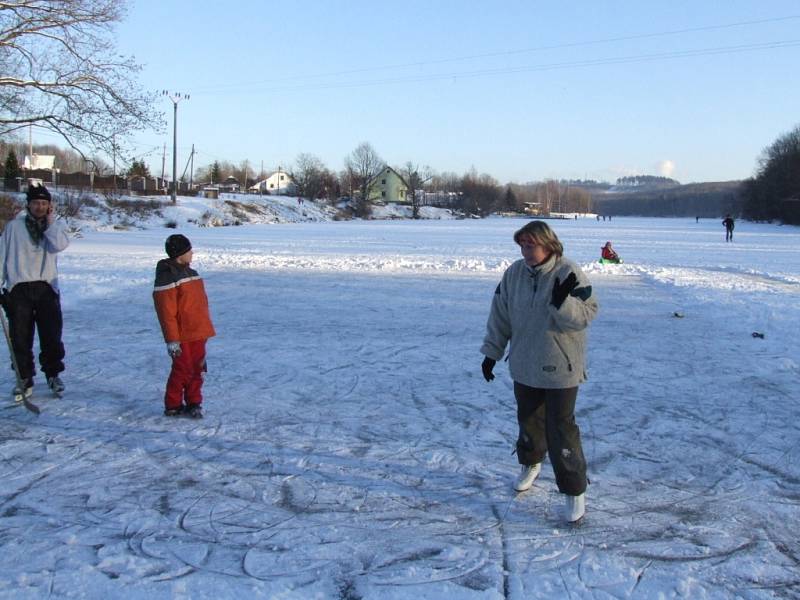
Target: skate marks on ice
{"type": "Point", "coordinates": [295, 481]}
{"type": "Point", "coordinates": [690, 459]}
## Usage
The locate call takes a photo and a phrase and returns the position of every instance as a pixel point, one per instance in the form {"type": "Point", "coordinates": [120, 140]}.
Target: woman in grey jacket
{"type": "Point", "coordinates": [543, 306]}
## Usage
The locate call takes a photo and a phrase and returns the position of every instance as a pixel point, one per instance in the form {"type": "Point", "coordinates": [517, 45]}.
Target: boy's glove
{"type": "Point", "coordinates": [174, 349]}
{"type": "Point", "coordinates": [562, 290]}
{"type": "Point", "coordinates": [486, 366]}
{"type": "Point", "coordinates": [4, 297]}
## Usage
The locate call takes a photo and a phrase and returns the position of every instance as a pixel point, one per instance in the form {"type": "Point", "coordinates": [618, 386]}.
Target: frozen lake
{"type": "Point", "coordinates": [351, 448]}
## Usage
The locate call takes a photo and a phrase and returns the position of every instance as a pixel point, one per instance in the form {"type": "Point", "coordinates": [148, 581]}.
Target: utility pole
{"type": "Point", "coordinates": [163, 162]}
{"type": "Point", "coordinates": [175, 97]}
{"type": "Point", "coordinates": [191, 170]}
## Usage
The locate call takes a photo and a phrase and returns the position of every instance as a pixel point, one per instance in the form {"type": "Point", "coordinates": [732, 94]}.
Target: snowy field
{"type": "Point", "coordinates": [351, 448]}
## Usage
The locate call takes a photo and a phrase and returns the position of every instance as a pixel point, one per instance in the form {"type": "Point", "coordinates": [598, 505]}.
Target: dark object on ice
{"type": "Point", "coordinates": [756, 334]}
{"type": "Point", "coordinates": [677, 315]}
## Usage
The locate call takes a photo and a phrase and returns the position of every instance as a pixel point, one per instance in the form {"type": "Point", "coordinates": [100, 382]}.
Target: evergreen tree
{"type": "Point", "coordinates": [510, 199]}
{"type": "Point", "coordinates": [216, 173]}
{"type": "Point", "coordinates": [12, 170]}
{"type": "Point", "coordinates": [138, 169]}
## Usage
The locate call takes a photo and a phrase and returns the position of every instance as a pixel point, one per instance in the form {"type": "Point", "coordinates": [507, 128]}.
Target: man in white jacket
{"type": "Point", "coordinates": [30, 295]}
{"type": "Point", "coordinates": [542, 307]}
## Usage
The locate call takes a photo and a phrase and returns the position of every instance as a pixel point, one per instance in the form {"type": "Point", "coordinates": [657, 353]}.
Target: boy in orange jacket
{"type": "Point", "coordinates": [182, 308]}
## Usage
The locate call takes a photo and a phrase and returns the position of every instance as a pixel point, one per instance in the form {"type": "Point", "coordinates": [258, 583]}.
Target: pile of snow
{"type": "Point", "coordinates": [404, 211]}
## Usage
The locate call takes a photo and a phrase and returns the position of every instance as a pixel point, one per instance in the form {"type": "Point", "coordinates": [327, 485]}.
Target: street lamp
{"type": "Point", "coordinates": [175, 97]}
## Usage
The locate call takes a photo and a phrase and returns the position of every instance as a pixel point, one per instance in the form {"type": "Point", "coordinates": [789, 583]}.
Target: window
{"type": "Point", "coordinates": [383, 182]}
{"type": "Point", "coordinates": [383, 194]}
{"type": "Point", "coordinates": [281, 177]}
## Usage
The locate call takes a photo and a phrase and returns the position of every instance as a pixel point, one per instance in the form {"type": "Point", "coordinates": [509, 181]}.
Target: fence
{"type": "Point", "coordinates": [99, 183]}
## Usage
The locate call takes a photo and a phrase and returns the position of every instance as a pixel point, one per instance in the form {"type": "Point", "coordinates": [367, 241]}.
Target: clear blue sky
{"type": "Point", "coordinates": [522, 90]}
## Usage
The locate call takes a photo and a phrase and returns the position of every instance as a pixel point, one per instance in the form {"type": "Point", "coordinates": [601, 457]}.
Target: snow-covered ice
{"type": "Point", "coordinates": [351, 448]}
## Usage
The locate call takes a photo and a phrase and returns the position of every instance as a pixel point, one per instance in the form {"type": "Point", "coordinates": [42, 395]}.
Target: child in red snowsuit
{"type": "Point", "coordinates": [608, 253]}
{"type": "Point", "coordinates": [182, 308]}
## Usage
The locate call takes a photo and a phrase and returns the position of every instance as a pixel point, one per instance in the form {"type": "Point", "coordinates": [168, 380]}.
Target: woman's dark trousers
{"type": "Point", "coordinates": [547, 426]}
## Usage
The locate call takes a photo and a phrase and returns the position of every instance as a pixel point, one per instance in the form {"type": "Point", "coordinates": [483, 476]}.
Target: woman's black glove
{"type": "Point", "coordinates": [562, 290]}
{"type": "Point", "coordinates": [487, 365]}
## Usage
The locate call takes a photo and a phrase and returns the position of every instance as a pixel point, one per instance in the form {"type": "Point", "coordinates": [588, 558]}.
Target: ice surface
{"type": "Point", "coordinates": [351, 448]}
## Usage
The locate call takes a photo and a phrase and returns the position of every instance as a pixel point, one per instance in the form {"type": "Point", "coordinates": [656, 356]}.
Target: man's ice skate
{"type": "Point", "coordinates": [24, 391]}
{"type": "Point", "coordinates": [56, 385]}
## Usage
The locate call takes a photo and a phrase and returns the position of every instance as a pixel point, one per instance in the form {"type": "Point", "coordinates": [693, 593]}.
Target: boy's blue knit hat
{"type": "Point", "coordinates": [177, 245]}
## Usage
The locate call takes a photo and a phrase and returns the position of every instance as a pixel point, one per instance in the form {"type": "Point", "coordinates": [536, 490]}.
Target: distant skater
{"type": "Point", "coordinates": [542, 307]}
{"type": "Point", "coordinates": [729, 225]}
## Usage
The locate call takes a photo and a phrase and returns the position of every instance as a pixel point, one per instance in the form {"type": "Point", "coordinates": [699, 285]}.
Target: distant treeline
{"type": "Point", "coordinates": [692, 200]}
{"type": "Point", "coordinates": [649, 181]}
{"type": "Point", "coordinates": [774, 193]}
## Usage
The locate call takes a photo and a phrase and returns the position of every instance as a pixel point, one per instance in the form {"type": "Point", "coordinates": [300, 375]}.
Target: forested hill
{"type": "Point", "coordinates": [710, 199]}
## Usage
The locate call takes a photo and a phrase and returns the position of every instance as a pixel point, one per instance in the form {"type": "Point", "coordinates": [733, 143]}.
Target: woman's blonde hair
{"type": "Point", "coordinates": [540, 233]}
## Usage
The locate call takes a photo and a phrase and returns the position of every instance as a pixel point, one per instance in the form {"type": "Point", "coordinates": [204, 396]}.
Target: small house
{"type": "Point", "coordinates": [279, 182]}
{"type": "Point", "coordinates": [388, 186]}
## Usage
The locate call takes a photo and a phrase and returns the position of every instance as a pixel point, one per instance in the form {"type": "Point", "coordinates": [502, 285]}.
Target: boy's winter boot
{"type": "Point", "coordinates": [194, 411]}
{"type": "Point", "coordinates": [56, 385]}
{"type": "Point", "coordinates": [576, 507]}
{"type": "Point", "coordinates": [172, 412]}
{"type": "Point", "coordinates": [527, 476]}
{"type": "Point", "coordinates": [25, 391]}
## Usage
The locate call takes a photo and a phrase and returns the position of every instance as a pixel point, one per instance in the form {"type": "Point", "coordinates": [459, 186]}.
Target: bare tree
{"type": "Point", "coordinates": [363, 164]}
{"type": "Point", "coordinates": [60, 71]}
{"type": "Point", "coordinates": [310, 175]}
{"type": "Point", "coordinates": [416, 177]}
{"type": "Point", "coordinates": [480, 193]}
{"type": "Point", "coordinates": [347, 181]}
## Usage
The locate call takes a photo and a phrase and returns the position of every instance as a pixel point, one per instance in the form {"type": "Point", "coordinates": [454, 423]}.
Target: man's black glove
{"type": "Point", "coordinates": [562, 290]}
{"type": "Point", "coordinates": [487, 365]}
{"type": "Point", "coordinates": [4, 298]}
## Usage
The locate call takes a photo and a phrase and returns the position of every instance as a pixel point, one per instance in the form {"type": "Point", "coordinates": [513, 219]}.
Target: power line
{"type": "Point", "coordinates": [221, 88]}
{"type": "Point", "coordinates": [536, 68]}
